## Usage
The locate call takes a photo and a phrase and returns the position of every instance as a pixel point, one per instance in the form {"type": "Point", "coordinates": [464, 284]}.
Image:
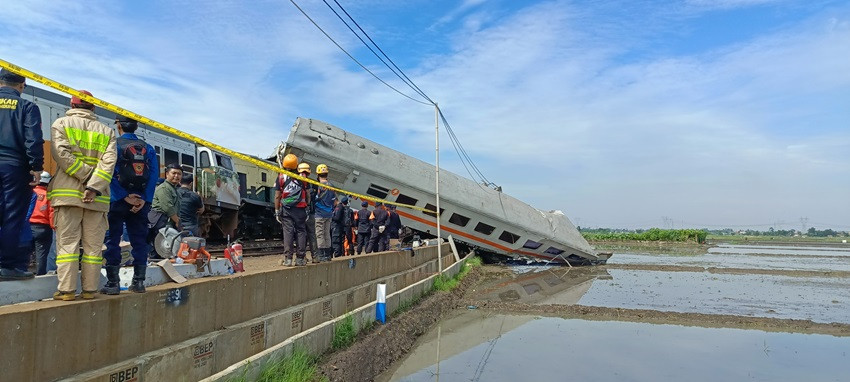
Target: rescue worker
{"type": "Point", "coordinates": [290, 203]}
{"type": "Point", "coordinates": [21, 161]}
{"type": "Point", "coordinates": [348, 226]}
{"type": "Point", "coordinates": [341, 226]}
{"type": "Point", "coordinates": [85, 152]}
{"type": "Point", "coordinates": [132, 187]}
{"type": "Point", "coordinates": [191, 206]}
{"type": "Point", "coordinates": [165, 207]}
{"type": "Point", "coordinates": [41, 224]}
{"type": "Point", "coordinates": [364, 227]}
{"type": "Point", "coordinates": [379, 218]}
{"type": "Point", "coordinates": [393, 228]}
{"type": "Point", "coordinates": [325, 199]}
{"type": "Point", "coordinates": [310, 226]}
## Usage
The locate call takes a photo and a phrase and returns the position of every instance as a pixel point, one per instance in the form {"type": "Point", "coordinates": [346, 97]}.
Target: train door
{"type": "Point", "coordinates": [218, 185]}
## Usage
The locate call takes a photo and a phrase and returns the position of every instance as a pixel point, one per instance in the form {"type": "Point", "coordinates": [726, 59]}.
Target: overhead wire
{"type": "Point", "coordinates": [398, 72]}
{"type": "Point", "coordinates": [352, 57]}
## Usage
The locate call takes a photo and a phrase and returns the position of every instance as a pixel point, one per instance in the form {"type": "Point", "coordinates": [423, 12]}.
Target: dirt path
{"type": "Point", "coordinates": [375, 351]}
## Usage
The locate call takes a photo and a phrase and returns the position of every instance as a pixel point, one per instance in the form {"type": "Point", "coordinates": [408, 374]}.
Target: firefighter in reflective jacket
{"type": "Point", "coordinates": [379, 241]}
{"type": "Point", "coordinates": [85, 152]}
{"type": "Point", "coordinates": [364, 227]}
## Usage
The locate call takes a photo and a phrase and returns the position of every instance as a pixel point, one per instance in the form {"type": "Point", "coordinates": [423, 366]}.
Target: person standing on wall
{"type": "Point", "coordinates": [364, 227]}
{"type": "Point", "coordinates": [41, 224]}
{"type": "Point", "coordinates": [85, 152]}
{"type": "Point", "coordinates": [132, 188]}
{"type": "Point", "coordinates": [290, 203]}
{"type": "Point", "coordinates": [310, 225]}
{"type": "Point", "coordinates": [325, 199]}
{"type": "Point", "coordinates": [191, 205]}
{"type": "Point", "coordinates": [341, 225]}
{"type": "Point", "coordinates": [21, 162]}
{"type": "Point", "coordinates": [379, 218]}
{"type": "Point", "coordinates": [393, 227]}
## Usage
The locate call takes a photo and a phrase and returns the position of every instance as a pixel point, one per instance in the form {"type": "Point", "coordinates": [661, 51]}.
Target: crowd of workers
{"type": "Point", "coordinates": [312, 216]}
{"type": "Point", "coordinates": [106, 190]}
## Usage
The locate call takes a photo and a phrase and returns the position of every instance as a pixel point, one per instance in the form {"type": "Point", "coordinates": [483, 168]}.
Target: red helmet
{"type": "Point", "coordinates": [77, 102]}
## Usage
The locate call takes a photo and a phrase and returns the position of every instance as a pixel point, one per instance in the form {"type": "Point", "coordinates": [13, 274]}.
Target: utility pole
{"type": "Point", "coordinates": [803, 223]}
{"type": "Point", "coordinates": [437, 188]}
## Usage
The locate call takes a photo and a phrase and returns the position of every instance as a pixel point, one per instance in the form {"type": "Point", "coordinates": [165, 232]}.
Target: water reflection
{"type": "Point", "coordinates": [541, 285]}
{"type": "Point", "coordinates": [528, 348]}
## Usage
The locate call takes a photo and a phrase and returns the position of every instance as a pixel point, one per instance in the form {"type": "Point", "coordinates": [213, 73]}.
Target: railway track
{"type": "Point", "coordinates": [251, 248]}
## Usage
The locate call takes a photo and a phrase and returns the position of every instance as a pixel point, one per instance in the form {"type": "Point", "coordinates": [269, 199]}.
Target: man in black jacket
{"type": "Point", "coordinates": [394, 227]}
{"type": "Point", "coordinates": [341, 228]}
{"type": "Point", "coordinates": [21, 162]}
{"type": "Point", "coordinates": [379, 241]}
{"type": "Point", "coordinates": [364, 228]}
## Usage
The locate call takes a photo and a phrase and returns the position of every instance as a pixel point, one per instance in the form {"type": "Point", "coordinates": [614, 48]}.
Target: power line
{"type": "Point", "coordinates": [459, 149]}
{"type": "Point", "coordinates": [352, 57]}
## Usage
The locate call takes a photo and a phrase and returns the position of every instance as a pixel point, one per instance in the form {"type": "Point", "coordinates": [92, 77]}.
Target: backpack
{"type": "Point", "coordinates": [293, 189]}
{"type": "Point", "coordinates": [133, 165]}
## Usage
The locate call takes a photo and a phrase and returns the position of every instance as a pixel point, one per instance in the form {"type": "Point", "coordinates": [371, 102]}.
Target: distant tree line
{"type": "Point", "coordinates": [698, 235]}
{"type": "Point", "coordinates": [652, 234]}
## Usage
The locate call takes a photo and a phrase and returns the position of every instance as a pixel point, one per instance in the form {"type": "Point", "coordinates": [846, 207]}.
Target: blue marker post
{"type": "Point", "coordinates": [381, 306]}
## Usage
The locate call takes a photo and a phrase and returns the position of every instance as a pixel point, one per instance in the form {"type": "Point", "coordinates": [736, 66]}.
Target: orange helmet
{"type": "Point", "coordinates": [304, 167]}
{"type": "Point", "coordinates": [322, 169]}
{"type": "Point", "coordinates": [290, 162]}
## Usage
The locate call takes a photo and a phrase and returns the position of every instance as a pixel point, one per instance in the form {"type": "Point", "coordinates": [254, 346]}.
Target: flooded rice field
{"type": "Point", "coordinates": [770, 313]}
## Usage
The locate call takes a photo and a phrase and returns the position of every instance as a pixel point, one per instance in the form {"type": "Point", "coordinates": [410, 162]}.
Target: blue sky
{"type": "Point", "coordinates": [713, 113]}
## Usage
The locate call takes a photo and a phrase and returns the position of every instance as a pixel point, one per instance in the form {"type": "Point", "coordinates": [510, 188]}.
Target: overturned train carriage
{"type": "Point", "coordinates": [477, 216]}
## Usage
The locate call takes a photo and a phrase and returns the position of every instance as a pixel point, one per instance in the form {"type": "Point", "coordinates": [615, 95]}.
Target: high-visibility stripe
{"type": "Point", "coordinates": [92, 259]}
{"type": "Point", "coordinates": [86, 159]}
{"type": "Point", "coordinates": [74, 167]}
{"type": "Point", "coordinates": [74, 193]}
{"type": "Point", "coordinates": [103, 175]}
{"type": "Point", "coordinates": [67, 258]}
{"type": "Point", "coordinates": [85, 139]}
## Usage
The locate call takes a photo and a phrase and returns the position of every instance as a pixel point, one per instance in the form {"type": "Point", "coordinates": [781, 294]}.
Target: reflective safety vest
{"type": "Point", "coordinates": [85, 152]}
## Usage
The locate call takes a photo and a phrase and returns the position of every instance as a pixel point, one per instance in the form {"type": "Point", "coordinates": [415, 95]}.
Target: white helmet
{"type": "Point", "coordinates": [45, 177]}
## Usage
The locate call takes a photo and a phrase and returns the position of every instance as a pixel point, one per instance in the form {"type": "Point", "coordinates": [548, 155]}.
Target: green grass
{"type": "Point", "coordinates": [344, 332]}
{"type": "Point", "coordinates": [299, 366]}
{"type": "Point", "coordinates": [446, 283]}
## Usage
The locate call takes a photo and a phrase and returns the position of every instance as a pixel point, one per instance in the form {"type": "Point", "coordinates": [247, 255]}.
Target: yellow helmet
{"type": "Point", "coordinates": [304, 167]}
{"type": "Point", "coordinates": [290, 161]}
{"type": "Point", "coordinates": [322, 169]}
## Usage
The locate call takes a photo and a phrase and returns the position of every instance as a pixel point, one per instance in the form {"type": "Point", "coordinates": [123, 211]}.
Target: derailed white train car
{"type": "Point", "coordinates": [478, 216]}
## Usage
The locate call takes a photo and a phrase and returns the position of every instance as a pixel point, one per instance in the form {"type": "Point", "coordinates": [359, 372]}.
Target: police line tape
{"type": "Point", "coordinates": [199, 141]}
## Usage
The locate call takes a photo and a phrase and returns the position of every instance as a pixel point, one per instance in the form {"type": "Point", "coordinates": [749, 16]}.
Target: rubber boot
{"type": "Point", "coordinates": [138, 284]}
{"type": "Point", "coordinates": [112, 286]}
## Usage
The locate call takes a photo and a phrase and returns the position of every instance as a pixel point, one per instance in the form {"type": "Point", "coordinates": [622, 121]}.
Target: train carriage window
{"type": "Point", "coordinates": [531, 244]}
{"type": "Point", "coordinates": [205, 159]}
{"type": "Point", "coordinates": [404, 199]}
{"type": "Point", "coordinates": [263, 177]}
{"type": "Point", "coordinates": [171, 157]}
{"type": "Point", "coordinates": [378, 191]}
{"type": "Point", "coordinates": [243, 185]}
{"type": "Point", "coordinates": [484, 228]}
{"type": "Point", "coordinates": [223, 161]}
{"type": "Point", "coordinates": [432, 207]}
{"type": "Point", "coordinates": [509, 237]}
{"type": "Point", "coordinates": [459, 220]}
{"type": "Point", "coordinates": [188, 160]}
{"type": "Point", "coordinates": [554, 251]}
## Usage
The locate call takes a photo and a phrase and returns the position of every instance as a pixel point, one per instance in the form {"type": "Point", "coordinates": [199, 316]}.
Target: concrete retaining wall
{"type": "Point", "coordinates": [194, 330]}
{"type": "Point", "coordinates": [319, 339]}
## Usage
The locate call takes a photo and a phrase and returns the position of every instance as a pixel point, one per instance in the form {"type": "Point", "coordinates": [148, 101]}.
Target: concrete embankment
{"type": "Point", "coordinates": [194, 330]}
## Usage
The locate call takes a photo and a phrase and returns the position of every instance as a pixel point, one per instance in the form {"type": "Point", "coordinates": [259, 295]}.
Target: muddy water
{"type": "Point", "coordinates": [757, 281]}
{"type": "Point", "coordinates": [748, 257]}
{"type": "Point", "coordinates": [817, 299]}
{"type": "Point", "coordinates": [476, 346]}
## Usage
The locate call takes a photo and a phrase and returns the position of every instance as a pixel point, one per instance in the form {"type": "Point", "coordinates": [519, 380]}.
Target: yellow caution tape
{"type": "Point", "coordinates": [199, 141]}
